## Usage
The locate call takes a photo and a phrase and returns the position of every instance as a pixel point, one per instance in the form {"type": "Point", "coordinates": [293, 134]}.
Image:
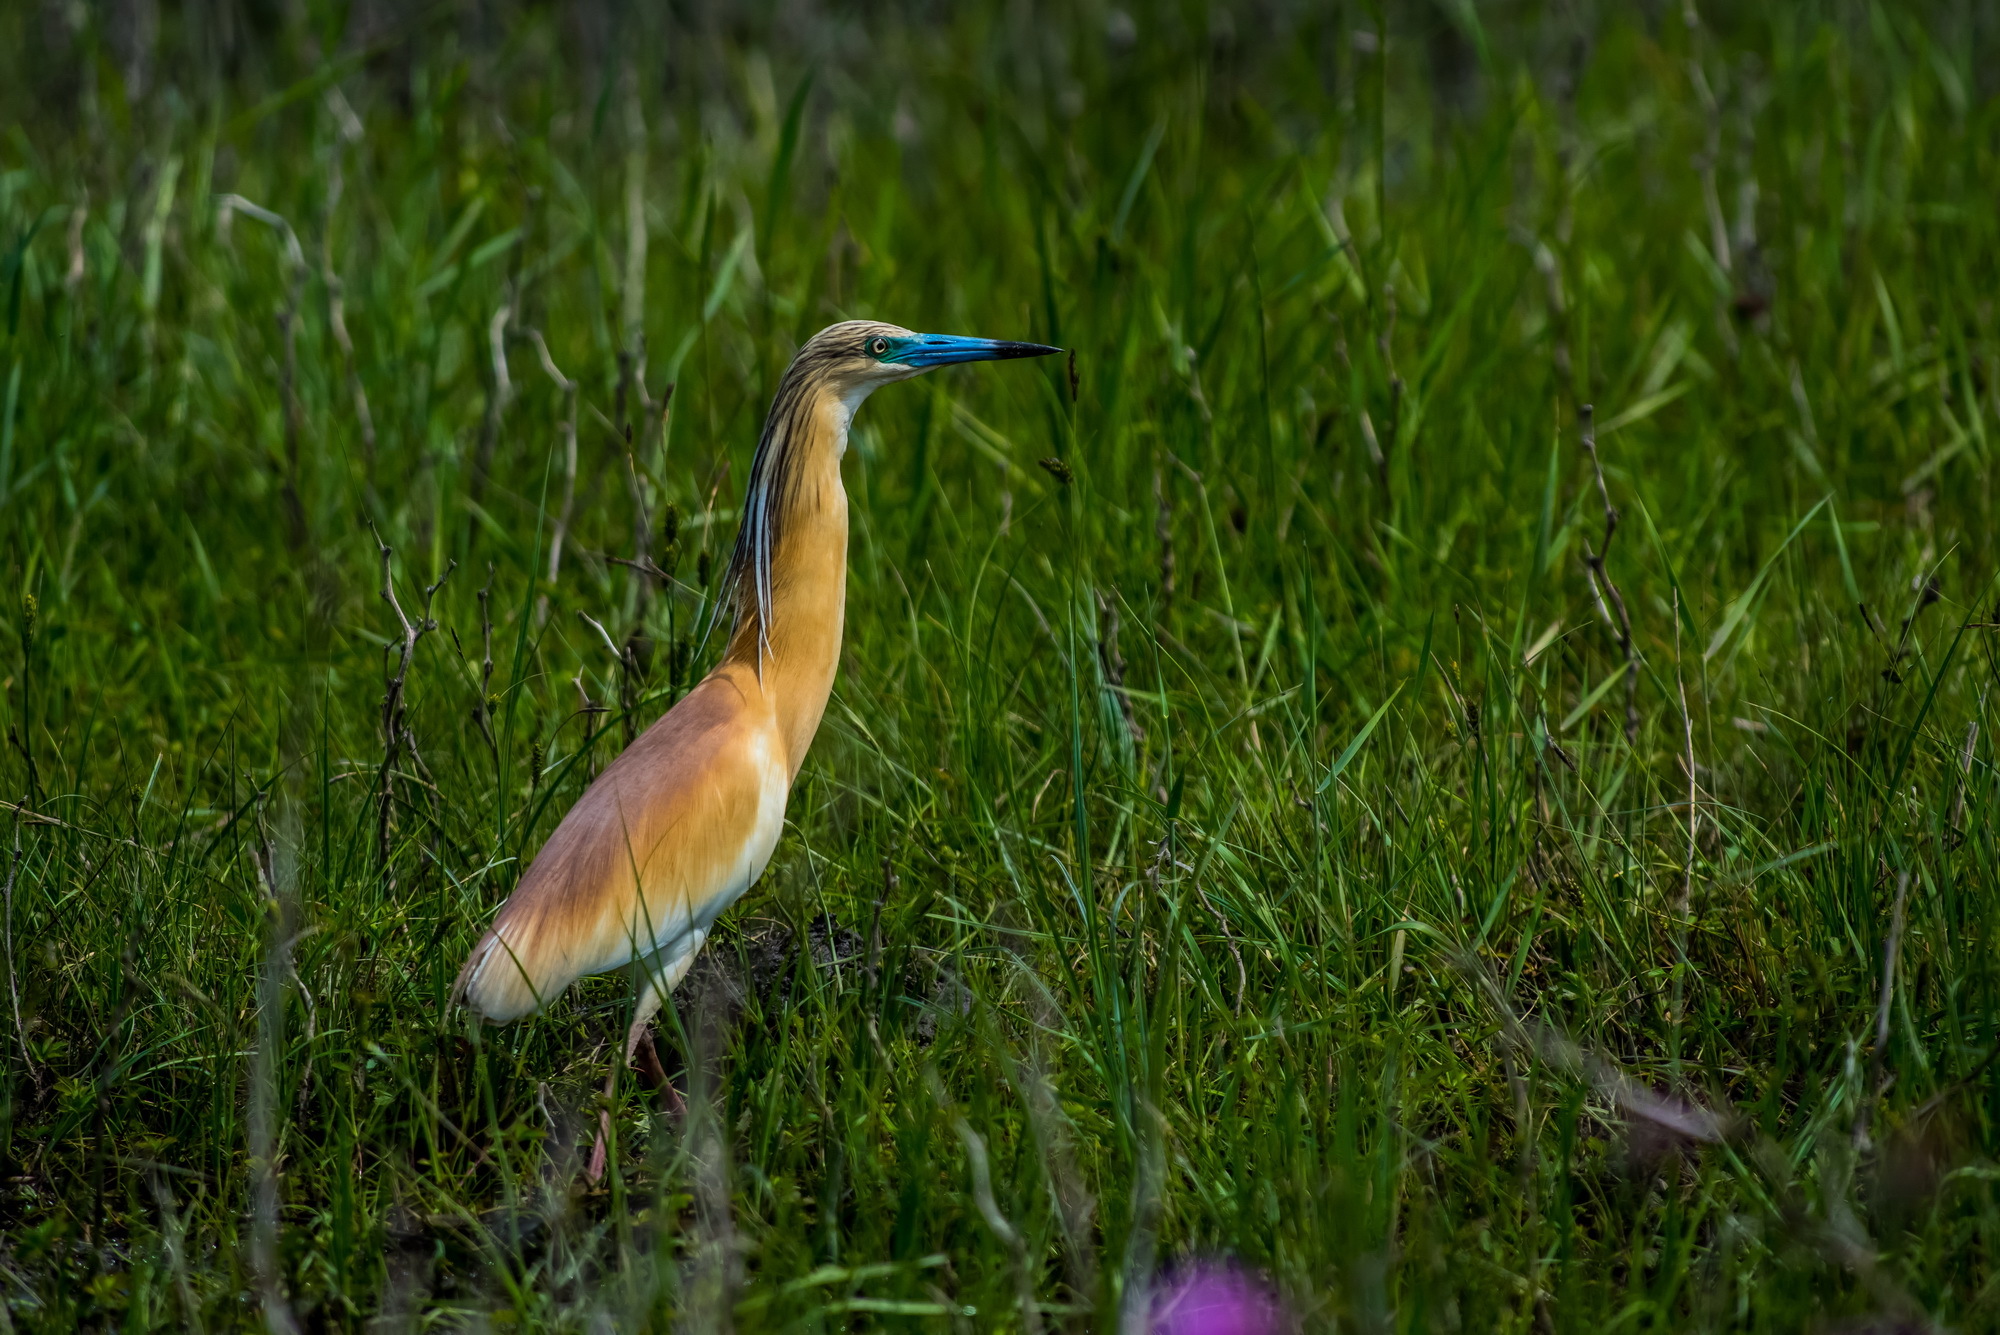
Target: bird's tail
{"type": "Point", "coordinates": [496, 982]}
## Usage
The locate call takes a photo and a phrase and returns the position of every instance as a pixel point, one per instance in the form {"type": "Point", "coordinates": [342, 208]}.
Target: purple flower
{"type": "Point", "coordinates": [1209, 1298]}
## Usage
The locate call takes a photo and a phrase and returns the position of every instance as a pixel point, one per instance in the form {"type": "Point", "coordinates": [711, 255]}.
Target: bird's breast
{"type": "Point", "coordinates": [760, 814]}
{"type": "Point", "coordinates": [702, 845]}
{"type": "Point", "coordinates": [671, 834]}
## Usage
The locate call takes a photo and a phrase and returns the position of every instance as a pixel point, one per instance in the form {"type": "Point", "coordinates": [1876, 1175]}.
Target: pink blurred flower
{"type": "Point", "coordinates": [1212, 1298]}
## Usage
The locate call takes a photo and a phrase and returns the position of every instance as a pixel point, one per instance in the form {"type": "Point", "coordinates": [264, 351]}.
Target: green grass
{"type": "Point", "coordinates": [1346, 938]}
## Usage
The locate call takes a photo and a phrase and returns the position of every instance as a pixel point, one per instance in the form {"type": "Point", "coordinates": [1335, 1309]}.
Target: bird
{"type": "Point", "coordinates": [687, 818]}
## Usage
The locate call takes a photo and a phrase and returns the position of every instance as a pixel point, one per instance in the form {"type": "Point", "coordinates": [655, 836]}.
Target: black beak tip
{"type": "Point", "coordinates": [1008, 351]}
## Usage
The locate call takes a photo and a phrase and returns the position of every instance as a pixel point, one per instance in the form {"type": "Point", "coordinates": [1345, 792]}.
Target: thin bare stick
{"type": "Point", "coordinates": [396, 736]}
{"type": "Point", "coordinates": [644, 567]}
{"type": "Point", "coordinates": [482, 713]}
{"type": "Point", "coordinates": [602, 633]}
{"type": "Point", "coordinates": [1602, 586]}
{"type": "Point", "coordinates": [628, 671]}
{"type": "Point", "coordinates": [497, 398]}
{"type": "Point", "coordinates": [496, 342]}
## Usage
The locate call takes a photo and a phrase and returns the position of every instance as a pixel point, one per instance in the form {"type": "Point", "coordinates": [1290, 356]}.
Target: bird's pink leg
{"type": "Point", "coordinates": [654, 1073]}
{"type": "Point", "coordinates": [594, 1171]}
{"type": "Point", "coordinates": [640, 1051]}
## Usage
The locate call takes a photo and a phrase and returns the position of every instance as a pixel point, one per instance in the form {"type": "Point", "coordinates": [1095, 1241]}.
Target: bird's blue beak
{"type": "Point", "coordinates": [923, 351]}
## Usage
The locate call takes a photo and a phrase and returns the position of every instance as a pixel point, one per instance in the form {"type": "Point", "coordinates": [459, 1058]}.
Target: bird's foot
{"type": "Point", "coordinates": [646, 1060]}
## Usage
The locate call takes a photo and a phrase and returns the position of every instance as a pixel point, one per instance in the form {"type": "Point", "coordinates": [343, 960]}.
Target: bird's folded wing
{"type": "Point", "coordinates": [666, 838]}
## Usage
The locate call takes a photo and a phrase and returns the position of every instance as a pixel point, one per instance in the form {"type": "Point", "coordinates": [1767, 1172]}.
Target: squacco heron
{"type": "Point", "coordinates": [686, 819]}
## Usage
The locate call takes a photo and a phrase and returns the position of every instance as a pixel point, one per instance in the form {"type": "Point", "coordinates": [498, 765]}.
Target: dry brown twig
{"type": "Point", "coordinates": [483, 713]}
{"type": "Point", "coordinates": [1602, 587]}
{"type": "Point", "coordinates": [628, 674]}
{"type": "Point", "coordinates": [498, 395]}
{"type": "Point", "coordinates": [396, 735]}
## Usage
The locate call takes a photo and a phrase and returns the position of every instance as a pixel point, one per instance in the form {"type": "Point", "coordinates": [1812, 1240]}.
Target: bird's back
{"type": "Point", "coordinates": [665, 839]}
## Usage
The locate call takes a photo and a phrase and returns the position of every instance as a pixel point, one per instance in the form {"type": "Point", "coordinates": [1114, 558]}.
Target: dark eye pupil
{"type": "Point", "coordinates": [880, 345]}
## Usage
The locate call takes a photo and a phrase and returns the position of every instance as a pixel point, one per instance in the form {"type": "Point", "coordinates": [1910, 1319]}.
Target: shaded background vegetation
{"type": "Point", "coordinates": [1248, 835]}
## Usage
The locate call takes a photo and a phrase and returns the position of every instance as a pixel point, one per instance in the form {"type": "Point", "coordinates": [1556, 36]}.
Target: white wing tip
{"type": "Point", "coordinates": [496, 998]}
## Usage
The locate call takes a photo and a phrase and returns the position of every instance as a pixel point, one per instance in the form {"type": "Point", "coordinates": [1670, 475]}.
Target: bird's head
{"type": "Point", "coordinates": [837, 368]}
{"type": "Point", "coordinates": [856, 357]}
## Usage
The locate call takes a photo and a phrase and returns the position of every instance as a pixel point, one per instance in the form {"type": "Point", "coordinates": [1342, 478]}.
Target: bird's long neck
{"type": "Point", "coordinates": [789, 640]}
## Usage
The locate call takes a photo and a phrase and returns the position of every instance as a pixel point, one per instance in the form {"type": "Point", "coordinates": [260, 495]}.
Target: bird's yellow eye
{"type": "Point", "coordinates": [878, 345]}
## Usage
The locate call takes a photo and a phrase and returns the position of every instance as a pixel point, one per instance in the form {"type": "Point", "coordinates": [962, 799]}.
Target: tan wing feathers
{"type": "Point", "coordinates": [673, 829]}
